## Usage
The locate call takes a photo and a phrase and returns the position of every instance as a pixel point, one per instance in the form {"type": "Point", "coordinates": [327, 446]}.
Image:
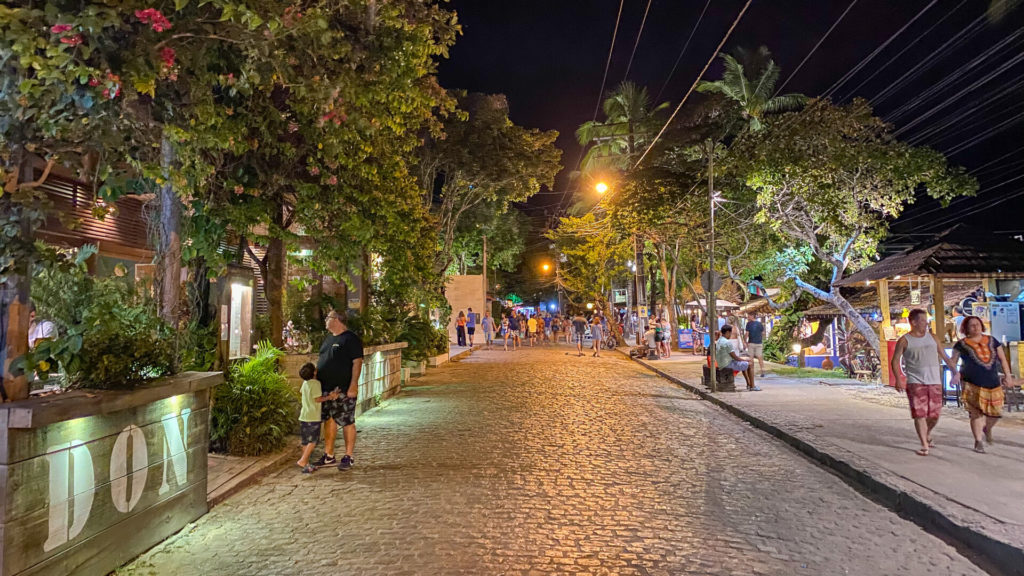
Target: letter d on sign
{"type": "Point", "coordinates": [62, 459]}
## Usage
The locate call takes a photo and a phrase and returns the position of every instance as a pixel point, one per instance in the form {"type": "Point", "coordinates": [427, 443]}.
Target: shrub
{"type": "Point", "coordinates": [253, 411]}
{"type": "Point", "coordinates": [109, 336]}
{"type": "Point", "coordinates": [197, 347]}
{"type": "Point", "coordinates": [424, 340]}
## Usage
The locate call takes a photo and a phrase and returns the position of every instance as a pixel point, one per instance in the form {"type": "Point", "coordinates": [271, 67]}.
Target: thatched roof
{"type": "Point", "coordinates": [865, 300]}
{"type": "Point", "coordinates": [958, 252]}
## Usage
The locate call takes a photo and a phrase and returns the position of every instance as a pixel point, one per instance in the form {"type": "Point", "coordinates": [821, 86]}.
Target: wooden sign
{"type": "Point", "coordinates": [84, 493]}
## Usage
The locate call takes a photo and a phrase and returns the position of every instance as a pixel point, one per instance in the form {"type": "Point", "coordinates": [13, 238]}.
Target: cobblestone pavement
{"type": "Point", "coordinates": [536, 462]}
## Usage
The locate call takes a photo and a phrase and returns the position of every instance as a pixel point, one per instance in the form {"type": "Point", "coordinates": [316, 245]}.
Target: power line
{"type": "Point", "coordinates": [987, 134]}
{"type": "Point", "coordinates": [980, 207]}
{"type": "Point", "coordinates": [865, 61]}
{"type": "Point", "coordinates": [681, 52]}
{"type": "Point", "coordinates": [600, 93]}
{"type": "Point", "coordinates": [956, 202]}
{"type": "Point", "coordinates": [695, 82]}
{"type": "Point", "coordinates": [994, 160]}
{"type": "Point", "coordinates": [813, 50]}
{"type": "Point", "coordinates": [637, 43]}
{"type": "Point", "coordinates": [905, 48]}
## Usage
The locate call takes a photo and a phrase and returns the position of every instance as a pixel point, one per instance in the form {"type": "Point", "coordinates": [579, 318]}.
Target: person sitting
{"type": "Point", "coordinates": [726, 357]}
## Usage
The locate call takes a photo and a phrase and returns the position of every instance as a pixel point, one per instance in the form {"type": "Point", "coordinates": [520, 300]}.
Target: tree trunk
{"type": "Point", "coordinates": [273, 284]}
{"type": "Point", "coordinates": [14, 305]}
{"type": "Point", "coordinates": [364, 284]}
{"type": "Point", "coordinates": [667, 281]}
{"type": "Point", "coordinates": [169, 247]}
{"type": "Point", "coordinates": [837, 300]}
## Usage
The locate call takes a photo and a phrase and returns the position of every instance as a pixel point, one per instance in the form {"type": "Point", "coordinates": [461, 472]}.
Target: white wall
{"type": "Point", "coordinates": [464, 292]}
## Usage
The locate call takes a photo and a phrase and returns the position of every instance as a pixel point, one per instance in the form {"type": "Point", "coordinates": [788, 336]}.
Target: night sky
{"type": "Point", "coordinates": [548, 58]}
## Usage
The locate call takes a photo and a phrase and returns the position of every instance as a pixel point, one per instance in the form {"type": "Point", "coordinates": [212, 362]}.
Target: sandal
{"type": "Point", "coordinates": [922, 452]}
{"type": "Point", "coordinates": [979, 447]}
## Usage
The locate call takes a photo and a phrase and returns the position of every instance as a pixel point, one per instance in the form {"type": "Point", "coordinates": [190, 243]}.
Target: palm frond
{"type": "Point", "coordinates": [785, 103]}
{"type": "Point", "coordinates": [766, 83]}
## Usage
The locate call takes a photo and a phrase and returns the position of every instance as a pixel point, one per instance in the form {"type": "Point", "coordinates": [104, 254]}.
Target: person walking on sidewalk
{"type": "Point", "coordinates": [470, 325]}
{"type": "Point", "coordinates": [487, 323]}
{"type": "Point", "coordinates": [982, 394]}
{"type": "Point", "coordinates": [755, 340]}
{"type": "Point", "coordinates": [531, 330]}
{"type": "Point", "coordinates": [513, 331]}
{"type": "Point", "coordinates": [579, 328]}
{"type": "Point", "coordinates": [726, 357]}
{"type": "Point", "coordinates": [920, 375]}
{"type": "Point", "coordinates": [460, 329]}
{"type": "Point", "coordinates": [596, 331]}
{"type": "Point", "coordinates": [338, 368]}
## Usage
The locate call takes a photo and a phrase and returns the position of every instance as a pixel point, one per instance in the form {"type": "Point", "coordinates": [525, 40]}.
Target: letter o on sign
{"type": "Point", "coordinates": [119, 468]}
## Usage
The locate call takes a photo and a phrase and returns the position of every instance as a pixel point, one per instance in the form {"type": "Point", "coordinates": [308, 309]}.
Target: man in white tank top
{"type": "Point", "coordinates": [916, 363]}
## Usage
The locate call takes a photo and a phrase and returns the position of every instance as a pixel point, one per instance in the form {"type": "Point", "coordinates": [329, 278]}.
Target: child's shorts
{"type": "Point", "coordinates": [310, 432]}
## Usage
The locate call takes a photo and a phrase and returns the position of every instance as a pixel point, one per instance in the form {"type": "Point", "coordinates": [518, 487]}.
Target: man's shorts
{"type": "Point", "coordinates": [471, 330]}
{"type": "Point", "coordinates": [309, 432]}
{"type": "Point", "coordinates": [738, 365]}
{"type": "Point", "coordinates": [925, 400]}
{"type": "Point", "coordinates": [578, 336]}
{"type": "Point", "coordinates": [756, 350]}
{"type": "Point", "coordinates": [342, 410]}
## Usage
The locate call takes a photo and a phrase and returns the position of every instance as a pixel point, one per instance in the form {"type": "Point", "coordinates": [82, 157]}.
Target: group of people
{"type": "Point", "coordinates": [519, 328]}
{"type": "Point", "coordinates": [658, 336]}
{"type": "Point", "coordinates": [917, 366]}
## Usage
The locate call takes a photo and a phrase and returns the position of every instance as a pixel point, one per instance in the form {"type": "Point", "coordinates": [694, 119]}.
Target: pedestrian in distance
{"type": "Point", "coordinates": [338, 368]}
{"type": "Point", "coordinates": [727, 357]}
{"type": "Point", "coordinates": [556, 327]}
{"type": "Point", "coordinates": [487, 323]}
{"type": "Point", "coordinates": [918, 373]}
{"type": "Point", "coordinates": [470, 325]}
{"type": "Point", "coordinates": [531, 329]}
{"type": "Point", "coordinates": [595, 334]}
{"type": "Point", "coordinates": [460, 329]}
{"type": "Point", "coordinates": [548, 321]}
{"type": "Point", "coordinates": [505, 332]}
{"type": "Point", "coordinates": [666, 336]}
{"type": "Point", "coordinates": [513, 330]}
{"type": "Point", "coordinates": [983, 393]}
{"type": "Point", "coordinates": [309, 416]}
{"type": "Point", "coordinates": [755, 340]}
{"type": "Point", "coordinates": [579, 328]}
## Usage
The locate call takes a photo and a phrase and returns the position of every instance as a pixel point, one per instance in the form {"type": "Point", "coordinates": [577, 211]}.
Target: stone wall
{"type": "Point", "coordinates": [382, 372]}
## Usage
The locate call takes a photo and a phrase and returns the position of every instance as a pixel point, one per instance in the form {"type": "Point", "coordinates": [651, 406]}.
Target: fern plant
{"type": "Point", "coordinates": [254, 411]}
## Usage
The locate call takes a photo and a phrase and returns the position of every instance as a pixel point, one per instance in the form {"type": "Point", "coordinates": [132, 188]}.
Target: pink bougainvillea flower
{"type": "Point", "coordinates": [157, 21]}
{"type": "Point", "coordinates": [167, 55]}
{"type": "Point", "coordinates": [332, 180]}
{"type": "Point", "coordinates": [74, 40]}
{"type": "Point", "coordinates": [239, 190]}
{"type": "Point", "coordinates": [314, 170]}
{"type": "Point", "coordinates": [94, 82]}
{"type": "Point", "coordinates": [60, 28]}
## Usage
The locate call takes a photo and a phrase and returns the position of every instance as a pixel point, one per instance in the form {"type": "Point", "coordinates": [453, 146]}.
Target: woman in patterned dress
{"type": "Point", "coordinates": [982, 357]}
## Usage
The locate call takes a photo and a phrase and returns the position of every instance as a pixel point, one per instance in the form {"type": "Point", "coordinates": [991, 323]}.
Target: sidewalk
{"type": "Point", "coordinates": [865, 434]}
{"type": "Point", "coordinates": [226, 475]}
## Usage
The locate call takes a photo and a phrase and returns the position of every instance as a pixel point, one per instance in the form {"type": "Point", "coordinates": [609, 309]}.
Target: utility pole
{"type": "Point", "coordinates": [641, 282]}
{"type": "Point", "coordinates": [486, 308]}
{"type": "Point", "coordinates": [711, 295]}
{"type": "Point", "coordinates": [558, 281]}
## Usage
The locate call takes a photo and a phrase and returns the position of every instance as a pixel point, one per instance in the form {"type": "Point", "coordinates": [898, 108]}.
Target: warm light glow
{"type": "Point", "coordinates": [546, 267]}
{"type": "Point", "coordinates": [796, 348]}
{"type": "Point", "coordinates": [590, 305]}
{"type": "Point", "coordinates": [601, 187]}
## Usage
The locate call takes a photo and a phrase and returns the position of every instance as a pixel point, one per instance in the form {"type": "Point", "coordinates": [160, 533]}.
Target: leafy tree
{"type": "Point", "coordinates": [828, 180]}
{"type": "Point", "coordinates": [749, 79]}
{"type": "Point", "coordinates": [505, 232]}
{"type": "Point", "coordinates": [630, 124]}
{"type": "Point", "coordinates": [482, 159]}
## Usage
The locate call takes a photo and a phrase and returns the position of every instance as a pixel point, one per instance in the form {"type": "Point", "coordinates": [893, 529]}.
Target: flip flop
{"type": "Point", "coordinates": [979, 447]}
{"type": "Point", "coordinates": [921, 452]}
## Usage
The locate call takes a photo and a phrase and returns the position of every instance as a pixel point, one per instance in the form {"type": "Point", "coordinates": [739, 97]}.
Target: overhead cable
{"type": "Point", "coordinates": [813, 50]}
{"type": "Point", "coordinates": [681, 52]}
{"type": "Point", "coordinates": [637, 43]}
{"type": "Point", "coordinates": [695, 82]}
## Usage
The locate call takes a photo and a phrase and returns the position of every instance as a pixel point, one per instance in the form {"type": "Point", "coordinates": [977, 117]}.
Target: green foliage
{"type": "Point", "coordinates": [779, 343]}
{"type": "Point", "coordinates": [254, 411]}
{"type": "Point", "coordinates": [302, 310]}
{"type": "Point", "coordinates": [197, 347]}
{"type": "Point", "coordinates": [595, 257]}
{"type": "Point", "coordinates": [630, 124]}
{"type": "Point", "coordinates": [424, 340]}
{"type": "Point", "coordinates": [749, 80]}
{"type": "Point", "coordinates": [108, 336]}
{"type": "Point", "coordinates": [791, 372]}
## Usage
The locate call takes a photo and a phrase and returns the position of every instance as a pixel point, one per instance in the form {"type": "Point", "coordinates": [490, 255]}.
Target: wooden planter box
{"type": "Point", "coordinates": [438, 360]}
{"type": "Point", "coordinates": [91, 479]}
{"type": "Point", "coordinates": [415, 368]}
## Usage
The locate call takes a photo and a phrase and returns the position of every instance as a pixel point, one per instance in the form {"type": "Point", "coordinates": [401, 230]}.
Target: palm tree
{"type": "Point", "coordinates": [628, 126]}
{"type": "Point", "coordinates": [750, 79]}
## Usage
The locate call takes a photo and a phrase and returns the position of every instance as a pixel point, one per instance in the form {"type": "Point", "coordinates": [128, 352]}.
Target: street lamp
{"type": "Point", "coordinates": [601, 187]}
{"type": "Point", "coordinates": [590, 305]}
{"type": "Point", "coordinates": [546, 267]}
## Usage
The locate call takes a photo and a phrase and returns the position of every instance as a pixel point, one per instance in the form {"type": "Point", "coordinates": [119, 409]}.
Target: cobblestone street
{"type": "Point", "coordinates": [536, 462]}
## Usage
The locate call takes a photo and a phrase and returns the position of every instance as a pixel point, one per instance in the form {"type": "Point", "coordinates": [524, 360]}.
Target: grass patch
{"type": "Point", "coordinates": [791, 372]}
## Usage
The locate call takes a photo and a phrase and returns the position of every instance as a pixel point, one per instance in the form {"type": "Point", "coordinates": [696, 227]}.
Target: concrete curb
{"type": "Point", "coordinates": [252, 474]}
{"type": "Point", "coordinates": [989, 553]}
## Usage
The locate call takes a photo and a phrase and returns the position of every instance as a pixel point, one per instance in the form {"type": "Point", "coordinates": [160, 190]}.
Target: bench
{"type": "Point", "coordinates": [725, 381]}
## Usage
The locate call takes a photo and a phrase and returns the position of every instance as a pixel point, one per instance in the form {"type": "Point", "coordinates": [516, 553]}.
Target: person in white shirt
{"type": "Point", "coordinates": [39, 330]}
{"type": "Point", "coordinates": [726, 357]}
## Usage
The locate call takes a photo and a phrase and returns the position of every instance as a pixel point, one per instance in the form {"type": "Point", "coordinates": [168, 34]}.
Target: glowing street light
{"type": "Point", "coordinates": [546, 267]}
{"type": "Point", "coordinates": [590, 305]}
{"type": "Point", "coordinates": [601, 187]}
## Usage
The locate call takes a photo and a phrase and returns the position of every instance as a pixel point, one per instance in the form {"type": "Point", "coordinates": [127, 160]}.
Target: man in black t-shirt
{"type": "Point", "coordinates": [579, 326]}
{"type": "Point", "coordinates": [338, 368]}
